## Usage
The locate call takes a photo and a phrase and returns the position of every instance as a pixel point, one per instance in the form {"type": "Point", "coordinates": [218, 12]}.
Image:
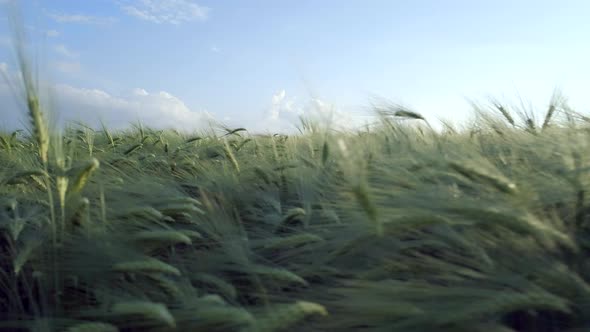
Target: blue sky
{"type": "Point", "coordinates": [260, 64]}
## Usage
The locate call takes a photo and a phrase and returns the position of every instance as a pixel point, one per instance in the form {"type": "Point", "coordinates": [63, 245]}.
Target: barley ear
{"type": "Point", "coordinates": [107, 134]}
{"type": "Point", "coordinates": [229, 154]}
{"type": "Point", "coordinates": [403, 113]}
{"type": "Point", "coordinates": [146, 266]}
{"type": "Point", "coordinates": [157, 312]}
{"type": "Point", "coordinates": [504, 113]}
{"type": "Point", "coordinates": [361, 193]}
{"type": "Point", "coordinates": [557, 100]}
{"type": "Point", "coordinates": [285, 316]}
{"type": "Point", "coordinates": [39, 128]}
{"type": "Point", "coordinates": [162, 237]}
{"type": "Point", "coordinates": [82, 174]}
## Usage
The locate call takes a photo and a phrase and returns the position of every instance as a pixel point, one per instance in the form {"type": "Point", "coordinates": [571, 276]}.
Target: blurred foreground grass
{"type": "Point", "coordinates": [396, 228]}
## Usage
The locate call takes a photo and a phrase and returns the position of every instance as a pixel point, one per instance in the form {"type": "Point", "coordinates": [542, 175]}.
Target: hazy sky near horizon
{"type": "Point", "coordinates": [260, 64]}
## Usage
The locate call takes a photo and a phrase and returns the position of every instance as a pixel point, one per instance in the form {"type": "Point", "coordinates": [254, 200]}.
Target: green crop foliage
{"type": "Point", "coordinates": [397, 227]}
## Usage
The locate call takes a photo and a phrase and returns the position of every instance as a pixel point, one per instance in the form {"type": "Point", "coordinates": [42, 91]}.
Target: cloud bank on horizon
{"type": "Point", "coordinates": [158, 110]}
{"type": "Point", "coordinates": [69, 104]}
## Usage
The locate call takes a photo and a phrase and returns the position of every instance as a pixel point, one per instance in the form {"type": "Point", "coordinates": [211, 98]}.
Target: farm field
{"type": "Point", "coordinates": [400, 226]}
{"type": "Point", "coordinates": [394, 228]}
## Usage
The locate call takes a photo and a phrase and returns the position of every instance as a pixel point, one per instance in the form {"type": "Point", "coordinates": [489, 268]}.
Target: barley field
{"type": "Point", "coordinates": [396, 227]}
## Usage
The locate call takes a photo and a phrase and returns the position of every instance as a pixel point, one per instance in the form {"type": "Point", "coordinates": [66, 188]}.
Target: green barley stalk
{"type": "Point", "coordinates": [146, 266]}
{"type": "Point", "coordinates": [162, 237]}
{"type": "Point", "coordinates": [6, 144]}
{"type": "Point", "coordinates": [293, 215]}
{"type": "Point", "coordinates": [403, 113]}
{"type": "Point", "coordinates": [504, 112]}
{"type": "Point", "coordinates": [497, 181]}
{"type": "Point", "coordinates": [261, 173]}
{"type": "Point", "coordinates": [107, 134]}
{"type": "Point", "coordinates": [61, 179]}
{"type": "Point", "coordinates": [229, 154]}
{"type": "Point", "coordinates": [557, 100]}
{"type": "Point", "coordinates": [103, 205]}
{"type": "Point", "coordinates": [133, 149]}
{"type": "Point", "coordinates": [39, 127]}
{"type": "Point", "coordinates": [325, 152]}
{"type": "Point", "coordinates": [21, 177]}
{"type": "Point", "coordinates": [361, 193]}
{"type": "Point", "coordinates": [166, 285]}
{"type": "Point", "coordinates": [82, 174]}
{"type": "Point", "coordinates": [278, 274]}
{"type": "Point", "coordinates": [223, 287]}
{"type": "Point", "coordinates": [282, 317]}
{"type": "Point", "coordinates": [38, 124]}
{"type": "Point", "coordinates": [157, 312]}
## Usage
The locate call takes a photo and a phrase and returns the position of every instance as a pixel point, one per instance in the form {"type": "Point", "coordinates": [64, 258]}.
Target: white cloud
{"type": "Point", "coordinates": [140, 92]}
{"type": "Point", "coordinates": [81, 19]}
{"type": "Point", "coordinates": [90, 106]}
{"type": "Point", "coordinates": [158, 110]}
{"type": "Point", "coordinates": [65, 51]}
{"type": "Point", "coordinates": [215, 49]}
{"type": "Point", "coordinates": [166, 11]}
{"type": "Point", "coordinates": [284, 113]}
{"type": "Point", "coordinates": [277, 105]}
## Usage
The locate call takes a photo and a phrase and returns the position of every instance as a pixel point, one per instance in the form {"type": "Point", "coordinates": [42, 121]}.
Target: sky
{"type": "Point", "coordinates": [262, 64]}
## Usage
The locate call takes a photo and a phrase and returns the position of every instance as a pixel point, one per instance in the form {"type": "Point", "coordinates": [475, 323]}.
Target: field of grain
{"type": "Point", "coordinates": [397, 227]}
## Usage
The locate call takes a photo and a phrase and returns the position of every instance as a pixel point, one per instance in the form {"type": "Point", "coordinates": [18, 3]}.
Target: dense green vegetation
{"type": "Point", "coordinates": [394, 228]}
